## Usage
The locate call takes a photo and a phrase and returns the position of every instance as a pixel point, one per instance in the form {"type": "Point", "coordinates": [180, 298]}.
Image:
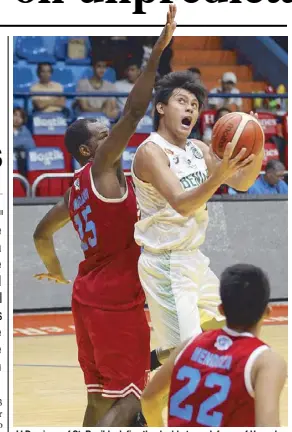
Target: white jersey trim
{"type": "Point", "coordinates": [248, 368]}
{"type": "Point", "coordinates": [234, 333]}
{"type": "Point", "coordinates": [102, 198]}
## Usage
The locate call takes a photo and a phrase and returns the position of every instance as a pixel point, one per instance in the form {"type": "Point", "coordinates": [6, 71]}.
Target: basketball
{"type": "Point", "coordinates": [242, 130]}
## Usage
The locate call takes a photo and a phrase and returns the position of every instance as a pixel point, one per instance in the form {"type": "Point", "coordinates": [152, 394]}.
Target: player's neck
{"type": "Point", "coordinates": [171, 138]}
{"type": "Point", "coordinates": [253, 330]}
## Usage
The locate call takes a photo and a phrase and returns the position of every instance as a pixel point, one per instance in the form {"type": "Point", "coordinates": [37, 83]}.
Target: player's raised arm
{"type": "Point", "coordinates": [138, 101]}
{"type": "Point", "coordinates": [54, 220]}
{"type": "Point", "coordinates": [269, 375]}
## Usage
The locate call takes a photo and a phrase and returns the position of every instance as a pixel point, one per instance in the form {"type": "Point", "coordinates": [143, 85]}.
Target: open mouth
{"type": "Point", "coordinates": [186, 121]}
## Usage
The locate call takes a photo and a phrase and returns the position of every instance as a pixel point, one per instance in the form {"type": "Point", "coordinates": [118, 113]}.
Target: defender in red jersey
{"type": "Point", "coordinates": [112, 332]}
{"type": "Point", "coordinates": [227, 377]}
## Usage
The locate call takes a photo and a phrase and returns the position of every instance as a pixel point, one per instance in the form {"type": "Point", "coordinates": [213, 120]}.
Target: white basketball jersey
{"type": "Point", "coordinates": [160, 227]}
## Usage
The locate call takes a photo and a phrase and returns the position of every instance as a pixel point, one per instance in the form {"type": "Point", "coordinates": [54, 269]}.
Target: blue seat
{"type": "Point", "coordinates": [61, 44]}
{"type": "Point", "coordinates": [32, 48]}
{"type": "Point", "coordinates": [61, 47]}
{"type": "Point", "coordinates": [65, 77]}
{"type": "Point", "coordinates": [22, 79]}
{"type": "Point", "coordinates": [83, 61]}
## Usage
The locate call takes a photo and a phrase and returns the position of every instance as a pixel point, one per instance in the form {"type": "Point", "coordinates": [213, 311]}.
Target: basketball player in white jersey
{"type": "Point", "coordinates": [174, 178]}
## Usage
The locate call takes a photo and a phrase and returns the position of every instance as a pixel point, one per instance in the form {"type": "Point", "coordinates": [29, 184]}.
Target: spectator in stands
{"type": "Point", "coordinates": [271, 105]}
{"type": "Point", "coordinates": [228, 85]}
{"type": "Point", "coordinates": [46, 85]}
{"type": "Point", "coordinates": [196, 72]}
{"type": "Point", "coordinates": [96, 84]}
{"type": "Point", "coordinates": [22, 138]}
{"type": "Point", "coordinates": [125, 86]}
{"type": "Point", "coordinates": [272, 181]}
{"type": "Point", "coordinates": [207, 135]}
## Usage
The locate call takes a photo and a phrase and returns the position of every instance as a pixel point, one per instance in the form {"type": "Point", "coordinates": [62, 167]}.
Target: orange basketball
{"type": "Point", "coordinates": [242, 130]}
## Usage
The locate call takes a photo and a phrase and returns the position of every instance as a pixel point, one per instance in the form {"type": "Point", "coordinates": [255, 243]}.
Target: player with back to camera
{"type": "Point", "coordinates": [174, 178]}
{"type": "Point", "coordinates": [112, 332]}
{"type": "Point", "coordinates": [226, 377]}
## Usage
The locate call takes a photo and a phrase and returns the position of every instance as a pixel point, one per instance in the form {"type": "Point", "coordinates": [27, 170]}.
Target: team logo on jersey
{"type": "Point", "coordinates": [223, 343]}
{"type": "Point", "coordinates": [176, 160]}
{"type": "Point", "coordinates": [197, 153]}
{"type": "Point", "coordinates": [77, 184]}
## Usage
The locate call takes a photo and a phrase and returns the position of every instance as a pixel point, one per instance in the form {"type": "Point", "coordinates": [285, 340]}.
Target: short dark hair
{"type": "Point", "coordinates": [76, 135]}
{"type": "Point", "coordinates": [40, 65]}
{"type": "Point", "coordinates": [195, 70]}
{"type": "Point", "coordinates": [132, 61]}
{"type": "Point", "coordinates": [100, 57]}
{"type": "Point", "coordinates": [219, 111]}
{"type": "Point", "coordinates": [245, 293]}
{"type": "Point", "coordinates": [22, 113]}
{"type": "Point", "coordinates": [274, 164]}
{"type": "Point", "coordinates": [166, 85]}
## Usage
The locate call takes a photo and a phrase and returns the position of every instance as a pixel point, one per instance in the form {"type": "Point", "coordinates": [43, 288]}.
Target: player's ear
{"type": "Point", "coordinates": [84, 151]}
{"type": "Point", "coordinates": [268, 311]}
{"type": "Point", "coordinates": [221, 310]}
{"type": "Point", "coordinates": [160, 108]}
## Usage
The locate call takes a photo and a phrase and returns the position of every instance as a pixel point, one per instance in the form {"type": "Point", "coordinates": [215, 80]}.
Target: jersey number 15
{"type": "Point", "coordinates": [86, 226]}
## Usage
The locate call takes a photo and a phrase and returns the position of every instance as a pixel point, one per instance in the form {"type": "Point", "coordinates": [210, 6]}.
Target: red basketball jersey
{"type": "Point", "coordinates": [108, 276]}
{"type": "Point", "coordinates": [211, 381]}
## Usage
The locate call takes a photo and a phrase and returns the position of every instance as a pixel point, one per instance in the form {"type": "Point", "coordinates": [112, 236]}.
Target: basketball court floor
{"type": "Point", "coordinates": [48, 384]}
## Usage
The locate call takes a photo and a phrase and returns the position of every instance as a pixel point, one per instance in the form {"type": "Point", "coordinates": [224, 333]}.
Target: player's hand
{"type": "Point", "coordinates": [254, 115]}
{"type": "Point", "coordinates": [168, 30]}
{"type": "Point", "coordinates": [229, 165]}
{"type": "Point", "coordinates": [57, 278]}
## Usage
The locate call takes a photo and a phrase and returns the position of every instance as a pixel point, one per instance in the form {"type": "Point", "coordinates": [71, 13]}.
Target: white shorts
{"type": "Point", "coordinates": [181, 291]}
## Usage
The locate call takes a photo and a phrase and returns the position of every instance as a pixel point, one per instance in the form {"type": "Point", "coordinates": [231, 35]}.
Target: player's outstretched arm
{"type": "Point", "coordinates": [138, 101]}
{"type": "Point", "coordinates": [54, 220]}
{"type": "Point", "coordinates": [155, 396]}
{"type": "Point", "coordinates": [268, 377]}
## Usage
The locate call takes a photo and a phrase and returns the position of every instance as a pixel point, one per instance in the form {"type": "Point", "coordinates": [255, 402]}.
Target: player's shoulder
{"type": "Point", "coordinates": [149, 150]}
{"type": "Point", "coordinates": [270, 359]}
{"type": "Point", "coordinates": [202, 148]}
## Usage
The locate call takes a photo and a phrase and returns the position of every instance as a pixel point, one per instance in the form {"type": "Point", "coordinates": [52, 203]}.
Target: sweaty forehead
{"type": "Point", "coordinates": [97, 128]}
{"type": "Point", "coordinates": [183, 92]}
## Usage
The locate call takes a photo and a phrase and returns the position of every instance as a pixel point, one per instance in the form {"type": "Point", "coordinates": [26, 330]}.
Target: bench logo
{"type": "Point", "coordinates": [49, 124]}
{"type": "Point", "coordinates": [46, 159]}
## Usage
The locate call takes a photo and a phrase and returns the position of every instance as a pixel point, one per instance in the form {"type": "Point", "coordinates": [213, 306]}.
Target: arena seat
{"type": "Point", "coordinates": [22, 79]}
{"type": "Point", "coordinates": [43, 161]}
{"type": "Point", "coordinates": [268, 122]}
{"type": "Point", "coordinates": [61, 46]}
{"type": "Point", "coordinates": [64, 76]}
{"type": "Point", "coordinates": [32, 48]}
{"type": "Point", "coordinates": [19, 190]}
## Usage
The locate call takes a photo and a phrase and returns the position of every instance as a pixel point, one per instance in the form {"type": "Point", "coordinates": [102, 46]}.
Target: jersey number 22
{"type": "Point", "coordinates": [186, 412]}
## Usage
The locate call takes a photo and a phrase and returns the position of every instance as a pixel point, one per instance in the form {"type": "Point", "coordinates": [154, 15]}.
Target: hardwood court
{"type": "Point", "coordinates": [48, 384]}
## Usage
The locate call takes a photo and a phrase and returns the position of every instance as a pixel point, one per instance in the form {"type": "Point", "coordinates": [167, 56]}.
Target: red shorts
{"type": "Point", "coordinates": [113, 349]}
